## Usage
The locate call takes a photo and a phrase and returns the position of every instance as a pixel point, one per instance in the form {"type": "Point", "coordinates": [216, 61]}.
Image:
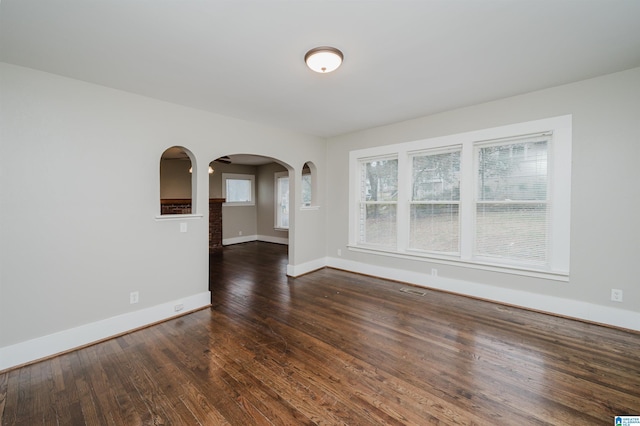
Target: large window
{"type": "Point", "coordinates": [493, 199]}
{"type": "Point", "coordinates": [511, 204]}
{"type": "Point", "coordinates": [435, 201]}
{"type": "Point", "coordinates": [378, 199]}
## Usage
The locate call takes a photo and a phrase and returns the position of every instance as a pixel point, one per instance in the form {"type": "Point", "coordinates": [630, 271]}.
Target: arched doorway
{"type": "Point", "coordinates": [247, 196]}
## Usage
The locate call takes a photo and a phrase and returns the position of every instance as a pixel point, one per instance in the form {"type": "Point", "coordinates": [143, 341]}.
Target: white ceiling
{"type": "Point", "coordinates": [403, 59]}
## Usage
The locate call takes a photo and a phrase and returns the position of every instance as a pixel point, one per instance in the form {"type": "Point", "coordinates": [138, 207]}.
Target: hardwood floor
{"type": "Point", "coordinates": [331, 348]}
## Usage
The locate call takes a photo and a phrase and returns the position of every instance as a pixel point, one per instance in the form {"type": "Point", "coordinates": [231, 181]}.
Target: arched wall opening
{"type": "Point", "coordinates": [177, 181]}
{"type": "Point", "coordinates": [246, 187]}
{"type": "Point", "coordinates": [309, 194]}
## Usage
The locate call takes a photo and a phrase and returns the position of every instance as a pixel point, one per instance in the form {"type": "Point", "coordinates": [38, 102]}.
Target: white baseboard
{"type": "Point", "coordinates": [62, 341]}
{"type": "Point", "coordinates": [554, 305]}
{"type": "Point", "coordinates": [248, 238]}
{"type": "Point", "coordinates": [305, 268]}
{"type": "Point", "coordinates": [275, 240]}
{"type": "Point", "coordinates": [239, 240]}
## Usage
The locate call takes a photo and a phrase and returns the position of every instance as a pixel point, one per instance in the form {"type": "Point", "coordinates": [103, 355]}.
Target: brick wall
{"type": "Point", "coordinates": [175, 206]}
{"type": "Point", "coordinates": [215, 223]}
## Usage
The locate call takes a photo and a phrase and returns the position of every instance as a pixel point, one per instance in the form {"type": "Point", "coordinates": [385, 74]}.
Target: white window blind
{"type": "Point", "coordinates": [512, 204]}
{"type": "Point", "coordinates": [378, 202]}
{"type": "Point", "coordinates": [434, 221]}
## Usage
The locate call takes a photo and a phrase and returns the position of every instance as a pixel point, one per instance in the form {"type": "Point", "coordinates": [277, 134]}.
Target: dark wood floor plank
{"type": "Point", "coordinates": [333, 347]}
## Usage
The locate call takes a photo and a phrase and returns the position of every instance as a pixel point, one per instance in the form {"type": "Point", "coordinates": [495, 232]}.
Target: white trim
{"type": "Point", "coordinates": [239, 240]}
{"type": "Point", "coordinates": [249, 238]}
{"type": "Point", "coordinates": [455, 261]}
{"type": "Point", "coordinates": [305, 268]}
{"type": "Point", "coordinates": [275, 240]}
{"type": "Point", "coordinates": [62, 341]}
{"type": "Point", "coordinates": [178, 217]}
{"type": "Point", "coordinates": [550, 304]}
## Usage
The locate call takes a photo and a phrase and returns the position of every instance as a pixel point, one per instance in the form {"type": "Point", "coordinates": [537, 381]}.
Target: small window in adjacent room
{"type": "Point", "coordinates": [282, 200]}
{"type": "Point", "coordinates": [238, 189]}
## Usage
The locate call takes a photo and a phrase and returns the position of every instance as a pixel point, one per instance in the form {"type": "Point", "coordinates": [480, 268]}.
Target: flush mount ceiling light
{"type": "Point", "coordinates": [323, 59]}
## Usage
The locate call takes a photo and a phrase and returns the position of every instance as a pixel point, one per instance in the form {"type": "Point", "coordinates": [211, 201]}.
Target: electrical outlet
{"type": "Point", "coordinates": [178, 308]}
{"type": "Point", "coordinates": [616, 295]}
{"type": "Point", "coordinates": [134, 297]}
{"type": "Point", "coordinates": [339, 252]}
{"type": "Point", "coordinates": [434, 272]}
{"type": "Point", "coordinates": [239, 232]}
{"type": "Point", "coordinates": [183, 227]}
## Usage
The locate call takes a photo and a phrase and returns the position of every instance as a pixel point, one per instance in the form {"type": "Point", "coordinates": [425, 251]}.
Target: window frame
{"type": "Point", "coordinates": [559, 197]}
{"type": "Point", "coordinates": [363, 204]}
{"type": "Point", "coordinates": [451, 202]}
{"type": "Point", "coordinates": [276, 201]}
{"type": "Point", "coordinates": [239, 176]}
{"type": "Point", "coordinates": [303, 185]}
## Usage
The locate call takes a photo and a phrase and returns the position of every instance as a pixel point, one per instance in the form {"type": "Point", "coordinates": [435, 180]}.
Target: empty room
{"type": "Point", "coordinates": [319, 212]}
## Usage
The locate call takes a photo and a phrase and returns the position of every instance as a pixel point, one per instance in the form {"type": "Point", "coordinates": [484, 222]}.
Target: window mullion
{"type": "Point", "coordinates": [468, 165]}
{"type": "Point", "coordinates": [404, 191]}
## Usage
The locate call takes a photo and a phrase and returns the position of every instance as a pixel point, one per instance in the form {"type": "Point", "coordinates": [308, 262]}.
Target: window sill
{"type": "Point", "coordinates": [303, 208]}
{"type": "Point", "coordinates": [237, 204]}
{"type": "Point", "coordinates": [281, 229]}
{"type": "Point", "coordinates": [178, 217]}
{"type": "Point", "coordinates": [444, 260]}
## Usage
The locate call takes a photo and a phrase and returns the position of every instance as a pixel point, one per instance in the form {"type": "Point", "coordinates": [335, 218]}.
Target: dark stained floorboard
{"type": "Point", "coordinates": [330, 348]}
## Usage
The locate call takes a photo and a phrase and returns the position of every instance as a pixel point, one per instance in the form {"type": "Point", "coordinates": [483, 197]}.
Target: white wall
{"type": "Point", "coordinates": [605, 230]}
{"type": "Point", "coordinates": [79, 194]}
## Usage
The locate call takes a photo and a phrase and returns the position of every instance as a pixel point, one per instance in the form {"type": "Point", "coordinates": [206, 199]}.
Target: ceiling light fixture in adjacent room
{"type": "Point", "coordinates": [323, 59]}
{"type": "Point", "coordinates": [210, 170]}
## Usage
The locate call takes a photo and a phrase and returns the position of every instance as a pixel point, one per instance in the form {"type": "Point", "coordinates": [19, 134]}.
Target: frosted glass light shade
{"type": "Point", "coordinates": [323, 59]}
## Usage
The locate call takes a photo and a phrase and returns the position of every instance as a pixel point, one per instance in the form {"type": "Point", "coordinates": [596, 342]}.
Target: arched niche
{"type": "Point", "coordinates": [176, 181]}
{"type": "Point", "coordinates": [309, 185]}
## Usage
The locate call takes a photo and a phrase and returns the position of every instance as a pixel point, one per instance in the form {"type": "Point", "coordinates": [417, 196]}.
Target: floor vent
{"type": "Point", "coordinates": [413, 291]}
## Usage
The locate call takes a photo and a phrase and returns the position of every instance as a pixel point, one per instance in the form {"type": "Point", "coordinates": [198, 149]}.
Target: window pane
{"type": "Point", "coordinates": [434, 227]}
{"type": "Point", "coordinates": [436, 177]}
{"type": "Point", "coordinates": [378, 224]}
{"type": "Point", "coordinates": [283, 202]}
{"type": "Point", "coordinates": [238, 190]}
{"type": "Point", "coordinates": [306, 190]}
{"type": "Point", "coordinates": [512, 231]}
{"type": "Point", "coordinates": [379, 180]}
{"type": "Point", "coordinates": [515, 171]}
